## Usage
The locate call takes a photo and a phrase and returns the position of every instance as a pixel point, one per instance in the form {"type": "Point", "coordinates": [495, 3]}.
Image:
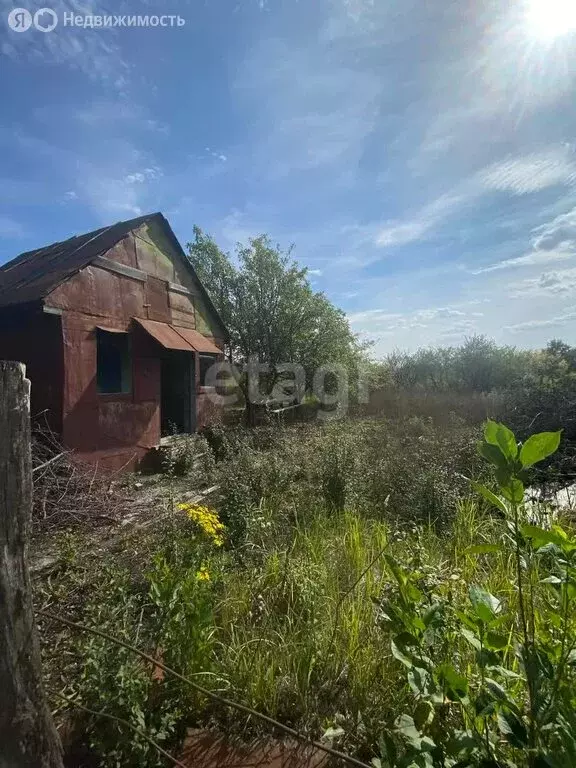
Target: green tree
{"type": "Point", "coordinates": [271, 311]}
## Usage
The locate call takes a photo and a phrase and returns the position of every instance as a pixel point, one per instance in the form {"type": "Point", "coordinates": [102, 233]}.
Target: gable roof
{"type": "Point", "coordinates": [31, 276]}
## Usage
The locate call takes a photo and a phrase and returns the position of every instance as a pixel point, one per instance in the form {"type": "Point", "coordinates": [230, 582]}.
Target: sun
{"type": "Point", "coordinates": [549, 19]}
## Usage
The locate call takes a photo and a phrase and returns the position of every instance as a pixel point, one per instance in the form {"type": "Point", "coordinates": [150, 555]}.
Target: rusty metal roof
{"type": "Point", "coordinates": [33, 275]}
{"type": "Point", "coordinates": [197, 341]}
{"type": "Point", "coordinates": [174, 337]}
{"type": "Point", "coordinates": [165, 335]}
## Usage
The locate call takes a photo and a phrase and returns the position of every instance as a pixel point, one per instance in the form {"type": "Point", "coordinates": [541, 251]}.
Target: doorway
{"type": "Point", "coordinates": [177, 393]}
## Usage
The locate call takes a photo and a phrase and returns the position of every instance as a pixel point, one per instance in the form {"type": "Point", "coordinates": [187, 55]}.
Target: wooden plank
{"type": "Point", "coordinates": [119, 269]}
{"type": "Point", "coordinates": [28, 737]}
{"type": "Point", "coordinates": [183, 289]}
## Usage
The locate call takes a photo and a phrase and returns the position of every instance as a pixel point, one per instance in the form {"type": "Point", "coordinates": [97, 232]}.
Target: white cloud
{"type": "Point", "coordinates": [315, 272]}
{"type": "Point", "coordinates": [214, 154]}
{"type": "Point", "coordinates": [380, 321]}
{"type": "Point", "coordinates": [560, 230]}
{"type": "Point", "coordinates": [395, 233]}
{"type": "Point", "coordinates": [518, 176]}
{"type": "Point", "coordinates": [557, 283]}
{"type": "Point", "coordinates": [139, 177]}
{"type": "Point", "coordinates": [529, 325]}
{"type": "Point", "coordinates": [531, 173]}
{"type": "Point", "coordinates": [528, 260]}
{"type": "Point", "coordinates": [95, 53]}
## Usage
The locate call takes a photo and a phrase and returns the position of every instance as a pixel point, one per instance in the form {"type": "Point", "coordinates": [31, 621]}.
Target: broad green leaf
{"type": "Point", "coordinates": [512, 729]}
{"type": "Point", "coordinates": [541, 536]}
{"type": "Point", "coordinates": [433, 616]}
{"type": "Point", "coordinates": [423, 714]}
{"type": "Point", "coordinates": [484, 704]}
{"type": "Point", "coordinates": [492, 453]}
{"type": "Point", "coordinates": [496, 642]}
{"type": "Point", "coordinates": [503, 475]}
{"type": "Point", "coordinates": [468, 620]}
{"type": "Point", "coordinates": [462, 741]}
{"type": "Point", "coordinates": [402, 657]}
{"type": "Point", "coordinates": [513, 490]}
{"type": "Point", "coordinates": [489, 496]}
{"type": "Point", "coordinates": [496, 690]}
{"type": "Point", "coordinates": [485, 605]}
{"type": "Point", "coordinates": [539, 447]}
{"type": "Point", "coordinates": [483, 549]}
{"type": "Point", "coordinates": [471, 637]}
{"type": "Point", "coordinates": [388, 749]}
{"type": "Point", "coordinates": [427, 745]}
{"type": "Point", "coordinates": [486, 658]}
{"type": "Point", "coordinates": [505, 672]}
{"type": "Point", "coordinates": [500, 435]}
{"type": "Point", "coordinates": [407, 729]}
{"type": "Point", "coordinates": [397, 571]}
{"type": "Point", "coordinates": [333, 733]}
{"type": "Point", "coordinates": [424, 759]}
{"type": "Point", "coordinates": [453, 680]}
{"type": "Point", "coordinates": [419, 680]}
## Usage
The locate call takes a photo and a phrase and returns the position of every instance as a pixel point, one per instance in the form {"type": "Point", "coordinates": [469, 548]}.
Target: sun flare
{"type": "Point", "coordinates": [549, 19]}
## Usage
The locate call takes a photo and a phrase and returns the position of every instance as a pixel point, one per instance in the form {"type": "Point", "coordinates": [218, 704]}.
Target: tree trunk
{"type": "Point", "coordinates": [28, 738]}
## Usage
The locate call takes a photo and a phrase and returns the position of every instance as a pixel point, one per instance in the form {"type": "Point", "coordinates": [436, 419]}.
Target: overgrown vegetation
{"type": "Point", "coordinates": [536, 388]}
{"type": "Point", "coordinates": [275, 319]}
{"type": "Point", "coordinates": [511, 701]}
{"type": "Point", "coordinates": [350, 551]}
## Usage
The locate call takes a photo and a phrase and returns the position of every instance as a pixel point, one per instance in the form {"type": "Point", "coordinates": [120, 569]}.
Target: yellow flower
{"type": "Point", "coordinates": [202, 575]}
{"type": "Point", "coordinates": [207, 520]}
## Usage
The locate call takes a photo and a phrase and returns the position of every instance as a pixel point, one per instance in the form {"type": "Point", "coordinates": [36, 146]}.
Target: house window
{"type": "Point", "coordinates": [114, 362]}
{"type": "Point", "coordinates": [206, 362]}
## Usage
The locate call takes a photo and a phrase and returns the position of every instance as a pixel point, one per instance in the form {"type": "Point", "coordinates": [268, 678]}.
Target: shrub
{"type": "Point", "coordinates": [504, 697]}
{"type": "Point", "coordinates": [169, 615]}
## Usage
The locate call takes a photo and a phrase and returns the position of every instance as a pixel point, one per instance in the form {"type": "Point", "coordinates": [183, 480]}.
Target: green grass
{"type": "Point", "coordinates": [289, 623]}
{"type": "Point", "coordinates": [297, 632]}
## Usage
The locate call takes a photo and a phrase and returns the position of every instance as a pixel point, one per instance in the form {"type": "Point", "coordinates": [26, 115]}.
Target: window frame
{"type": "Point", "coordinates": [214, 359]}
{"type": "Point", "coordinates": [126, 362]}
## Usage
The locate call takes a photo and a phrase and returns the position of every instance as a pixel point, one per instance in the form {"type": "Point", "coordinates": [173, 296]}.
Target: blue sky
{"type": "Point", "coordinates": [420, 156]}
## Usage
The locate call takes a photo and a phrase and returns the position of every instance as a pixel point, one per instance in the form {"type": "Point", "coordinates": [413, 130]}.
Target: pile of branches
{"type": "Point", "coordinates": [68, 493]}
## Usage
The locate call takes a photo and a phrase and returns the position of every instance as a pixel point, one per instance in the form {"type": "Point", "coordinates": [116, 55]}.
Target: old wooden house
{"type": "Point", "coordinates": [117, 334]}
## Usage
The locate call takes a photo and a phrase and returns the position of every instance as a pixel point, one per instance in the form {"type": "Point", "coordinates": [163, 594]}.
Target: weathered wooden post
{"type": "Point", "coordinates": [28, 738]}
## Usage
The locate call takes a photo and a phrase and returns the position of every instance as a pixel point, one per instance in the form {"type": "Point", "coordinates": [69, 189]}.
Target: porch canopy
{"type": "Point", "coordinates": [183, 339]}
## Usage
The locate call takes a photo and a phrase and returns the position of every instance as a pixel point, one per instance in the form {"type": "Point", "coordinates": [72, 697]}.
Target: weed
{"type": "Point", "coordinates": [504, 697]}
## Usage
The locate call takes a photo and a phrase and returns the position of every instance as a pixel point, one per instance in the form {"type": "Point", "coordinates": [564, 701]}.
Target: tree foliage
{"type": "Point", "coordinates": [477, 365]}
{"type": "Point", "coordinates": [270, 308]}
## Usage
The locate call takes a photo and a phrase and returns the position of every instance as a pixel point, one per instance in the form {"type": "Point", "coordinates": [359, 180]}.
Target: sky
{"type": "Point", "coordinates": [420, 155]}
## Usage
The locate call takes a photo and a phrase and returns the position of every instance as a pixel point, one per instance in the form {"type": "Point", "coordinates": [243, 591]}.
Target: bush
{"type": "Point", "coordinates": [493, 681]}
{"type": "Point", "coordinates": [353, 553]}
{"type": "Point", "coordinates": [168, 614]}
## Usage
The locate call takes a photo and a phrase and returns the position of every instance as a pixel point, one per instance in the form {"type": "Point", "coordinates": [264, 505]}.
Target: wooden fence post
{"type": "Point", "coordinates": [28, 738]}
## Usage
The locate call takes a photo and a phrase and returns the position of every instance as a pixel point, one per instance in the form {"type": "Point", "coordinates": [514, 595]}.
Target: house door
{"type": "Point", "coordinates": [177, 401]}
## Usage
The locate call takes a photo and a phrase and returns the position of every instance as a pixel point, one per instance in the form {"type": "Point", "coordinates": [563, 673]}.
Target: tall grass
{"type": "Point", "coordinates": [297, 629]}
{"type": "Point", "coordinates": [289, 621]}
